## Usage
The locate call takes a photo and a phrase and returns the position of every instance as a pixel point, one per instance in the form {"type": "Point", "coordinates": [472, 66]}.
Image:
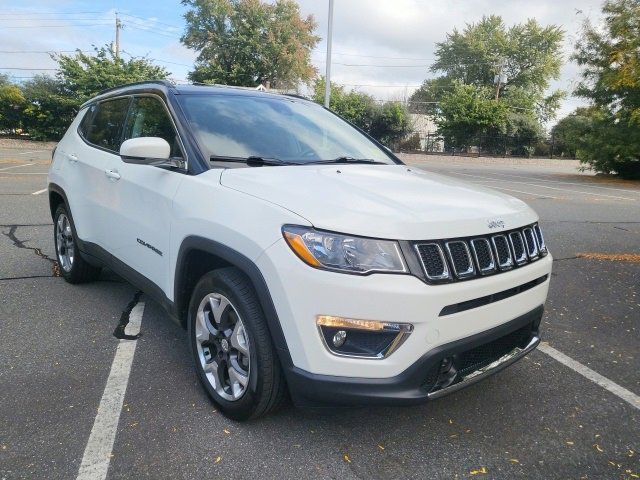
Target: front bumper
{"type": "Point", "coordinates": [473, 358]}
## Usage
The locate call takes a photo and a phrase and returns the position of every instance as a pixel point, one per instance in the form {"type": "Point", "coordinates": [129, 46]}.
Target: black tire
{"type": "Point", "coordinates": [80, 271]}
{"type": "Point", "coordinates": [266, 388]}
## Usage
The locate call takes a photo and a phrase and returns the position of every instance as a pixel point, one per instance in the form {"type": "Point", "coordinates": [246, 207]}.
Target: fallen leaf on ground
{"type": "Point", "coordinates": [218, 460]}
{"type": "Point", "coordinates": [347, 459]}
{"type": "Point", "coordinates": [481, 470]}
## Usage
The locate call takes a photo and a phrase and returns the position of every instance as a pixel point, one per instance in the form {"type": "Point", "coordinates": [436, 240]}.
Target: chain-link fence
{"type": "Point", "coordinates": [485, 146]}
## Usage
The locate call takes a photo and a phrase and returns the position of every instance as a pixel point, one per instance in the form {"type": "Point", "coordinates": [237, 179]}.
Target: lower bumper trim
{"type": "Point", "coordinates": [415, 385]}
{"type": "Point", "coordinates": [494, 367]}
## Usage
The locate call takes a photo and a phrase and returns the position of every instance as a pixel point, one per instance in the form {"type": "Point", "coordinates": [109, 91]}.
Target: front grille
{"type": "Point", "coordinates": [465, 258]}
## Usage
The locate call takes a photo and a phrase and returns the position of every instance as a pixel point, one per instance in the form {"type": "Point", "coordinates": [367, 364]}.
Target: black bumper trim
{"type": "Point", "coordinates": [407, 388]}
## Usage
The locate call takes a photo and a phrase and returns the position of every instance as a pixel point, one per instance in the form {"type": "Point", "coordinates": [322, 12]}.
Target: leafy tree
{"type": "Point", "coordinates": [388, 123]}
{"type": "Point", "coordinates": [426, 98]}
{"type": "Point", "coordinates": [525, 57]}
{"type": "Point", "coordinates": [469, 112]}
{"type": "Point", "coordinates": [611, 80]}
{"type": "Point", "coordinates": [49, 109]}
{"type": "Point", "coordinates": [83, 75]}
{"type": "Point", "coordinates": [250, 42]}
{"type": "Point", "coordinates": [356, 107]}
{"type": "Point", "coordinates": [11, 101]}
{"type": "Point", "coordinates": [528, 54]}
{"type": "Point", "coordinates": [569, 134]}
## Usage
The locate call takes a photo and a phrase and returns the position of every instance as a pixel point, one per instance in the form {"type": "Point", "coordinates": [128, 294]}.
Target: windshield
{"type": "Point", "coordinates": [282, 128]}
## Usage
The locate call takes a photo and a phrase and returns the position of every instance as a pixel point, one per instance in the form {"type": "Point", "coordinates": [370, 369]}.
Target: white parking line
{"type": "Point", "coordinates": [552, 188]}
{"type": "Point", "coordinates": [568, 183]}
{"type": "Point", "coordinates": [40, 191]}
{"type": "Point", "coordinates": [595, 377]}
{"type": "Point", "coordinates": [97, 453]}
{"type": "Point", "coordinates": [15, 166]}
{"type": "Point", "coordinates": [545, 195]}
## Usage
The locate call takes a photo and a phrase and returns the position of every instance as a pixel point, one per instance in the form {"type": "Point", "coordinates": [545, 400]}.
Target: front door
{"type": "Point", "coordinates": [142, 196]}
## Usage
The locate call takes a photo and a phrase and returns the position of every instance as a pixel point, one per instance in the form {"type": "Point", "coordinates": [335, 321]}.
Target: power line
{"type": "Point", "coordinates": [24, 68]}
{"type": "Point", "coordinates": [61, 26]}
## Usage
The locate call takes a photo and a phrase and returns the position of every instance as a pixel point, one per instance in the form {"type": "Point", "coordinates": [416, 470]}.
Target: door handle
{"type": "Point", "coordinates": [72, 158]}
{"type": "Point", "coordinates": [113, 174]}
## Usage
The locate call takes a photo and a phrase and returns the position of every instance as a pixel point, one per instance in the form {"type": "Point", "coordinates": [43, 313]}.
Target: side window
{"type": "Point", "coordinates": [106, 127]}
{"type": "Point", "coordinates": [149, 118]}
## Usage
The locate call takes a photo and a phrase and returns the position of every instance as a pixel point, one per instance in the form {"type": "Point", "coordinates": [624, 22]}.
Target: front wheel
{"type": "Point", "coordinates": [231, 346]}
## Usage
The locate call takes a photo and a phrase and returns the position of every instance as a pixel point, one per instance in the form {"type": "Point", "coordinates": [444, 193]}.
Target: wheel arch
{"type": "Point", "coordinates": [197, 255]}
{"type": "Point", "coordinates": [57, 196]}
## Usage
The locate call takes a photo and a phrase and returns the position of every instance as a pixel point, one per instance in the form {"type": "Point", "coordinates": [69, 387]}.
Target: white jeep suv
{"type": "Point", "coordinates": [299, 253]}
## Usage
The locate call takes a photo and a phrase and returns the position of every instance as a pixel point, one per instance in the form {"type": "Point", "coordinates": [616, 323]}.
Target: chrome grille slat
{"type": "Point", "coordinates": [518, 248]}
{"type": "Point", "coordinates": [484, 255]}
{"type": "Point", "coordinates": [458, 259]}
{"type": "Point", "coordinates": [433, 261]}
{"type": "Point", "coordinates": [530, 243]}
{"type": "Point", "coordinates": [542, 247]}
{"type": "Point", "coordinates": [503, 252]}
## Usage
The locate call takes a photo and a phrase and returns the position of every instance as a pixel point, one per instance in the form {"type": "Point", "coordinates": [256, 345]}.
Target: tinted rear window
{"type": "Point", "coordinates": [106, 127]}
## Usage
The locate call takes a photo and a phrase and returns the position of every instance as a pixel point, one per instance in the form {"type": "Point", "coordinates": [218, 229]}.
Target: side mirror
{"type": "Point", "coordinates": [153, 151]}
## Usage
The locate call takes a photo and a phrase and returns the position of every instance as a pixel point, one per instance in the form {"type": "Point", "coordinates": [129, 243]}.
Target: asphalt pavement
{"type": "Point", "coordinates": [540, 418]}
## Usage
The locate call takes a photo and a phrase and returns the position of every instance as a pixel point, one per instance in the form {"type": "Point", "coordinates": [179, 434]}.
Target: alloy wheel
{"type": "Point", "coordinates": [64, 242]}
{"type": "Point", "coordinates": [223, 346]}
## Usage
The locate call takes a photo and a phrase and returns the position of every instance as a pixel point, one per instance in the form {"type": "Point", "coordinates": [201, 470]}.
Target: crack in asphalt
{"type": "Point", "coordinates": [26, 225]}
{"type": "Point", "coordinates": [11, 235]}
{"type": "Point", "coordinates": [119, 332]}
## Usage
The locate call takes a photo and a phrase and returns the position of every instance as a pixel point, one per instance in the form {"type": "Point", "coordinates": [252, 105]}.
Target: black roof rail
{"type": "Point", "coordinates": [165, 83]}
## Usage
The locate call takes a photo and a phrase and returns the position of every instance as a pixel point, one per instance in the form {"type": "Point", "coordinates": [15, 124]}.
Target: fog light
{"type": "Point", "coordinates": [339, 338]}
{"type": "Point", "coordinates": [361, 338]}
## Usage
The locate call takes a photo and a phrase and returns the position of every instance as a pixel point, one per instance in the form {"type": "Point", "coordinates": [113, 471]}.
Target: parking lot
{"type": "Point", "coordinates": [569, 410]}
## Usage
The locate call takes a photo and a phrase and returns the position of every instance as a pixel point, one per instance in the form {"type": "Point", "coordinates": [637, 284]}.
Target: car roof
{"type": "Point", "coordinates": [166, 87]}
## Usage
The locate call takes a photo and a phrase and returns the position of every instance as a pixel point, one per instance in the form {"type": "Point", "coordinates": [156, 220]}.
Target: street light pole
{"type": "Point", "coordinates": [327, 77]}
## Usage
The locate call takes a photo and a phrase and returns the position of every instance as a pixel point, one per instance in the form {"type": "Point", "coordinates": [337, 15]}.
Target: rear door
{"type": "Point", "coordinates": [96, 144]}
{"type": "Point", "coordinates": [142, 195]}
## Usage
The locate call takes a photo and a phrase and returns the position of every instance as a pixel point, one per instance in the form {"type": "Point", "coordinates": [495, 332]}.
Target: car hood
{"type": "Point", "coordinates": [383, 201]}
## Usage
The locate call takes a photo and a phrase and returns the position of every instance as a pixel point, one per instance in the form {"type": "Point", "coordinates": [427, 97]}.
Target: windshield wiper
{"type": "Point", "coordinates": [253, 161]}
{"type": "Point", "coordinates": [349, 160]}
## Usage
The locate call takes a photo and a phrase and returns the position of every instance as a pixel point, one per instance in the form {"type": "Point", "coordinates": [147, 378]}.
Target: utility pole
{"type": "Point", "coordinates": [118, 28]}
{"type": "Point", "coordinates": [327, 77]}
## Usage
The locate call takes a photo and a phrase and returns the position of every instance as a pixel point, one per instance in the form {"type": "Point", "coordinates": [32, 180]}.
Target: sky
{"type": "Point", "coordinates": [380, 47]}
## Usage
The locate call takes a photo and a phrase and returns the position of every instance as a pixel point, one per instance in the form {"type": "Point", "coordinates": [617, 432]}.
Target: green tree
{"type": "Point", "coordinates": [610, 58]}
{"type": "Point", "coordinates": [11, 102]}
{"type": "Point", "coordinates": [49, 109]}
{"type": "Point", "coordinates": [83, 75]}
{"type": "Point", "coordinates": [524, 57]}
{"type": "Point", "coordinates": [388, 123]}
{"type": "Point", "coordinates": [469, 112]}
{"type": "Point", "coordinates": [250, 42]}
{"type": "Point", "coordinates": [356, 107]}
{"type": "Point", "coordinates": [569, 134]}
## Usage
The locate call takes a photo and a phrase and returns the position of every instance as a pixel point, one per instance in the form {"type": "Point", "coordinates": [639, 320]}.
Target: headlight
{"type": "Point", "coordinates": [334, 251]}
